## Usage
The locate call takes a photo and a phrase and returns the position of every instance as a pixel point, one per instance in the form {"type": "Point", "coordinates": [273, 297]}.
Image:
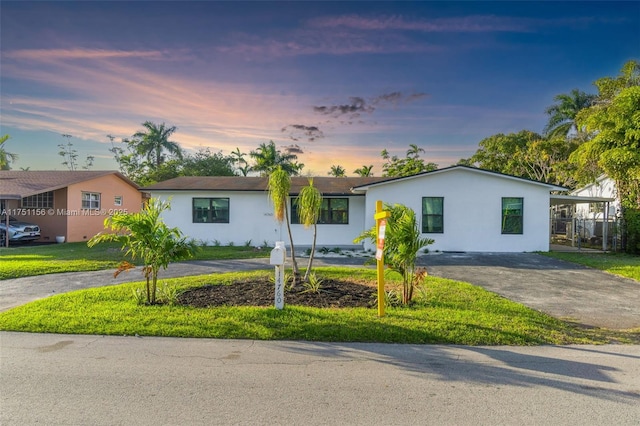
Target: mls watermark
{"type": "Point", "coordinates": [62, 212]}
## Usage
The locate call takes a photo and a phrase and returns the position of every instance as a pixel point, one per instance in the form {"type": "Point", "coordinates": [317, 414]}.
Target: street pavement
{"type": "Point", "coordinates": [96, 380]}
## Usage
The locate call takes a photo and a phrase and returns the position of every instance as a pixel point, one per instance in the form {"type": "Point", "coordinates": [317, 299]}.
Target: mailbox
{"type": "Point", "coordinates": [278, 254]}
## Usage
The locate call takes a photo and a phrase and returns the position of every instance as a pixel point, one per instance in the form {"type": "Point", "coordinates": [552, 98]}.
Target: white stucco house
{"type": "Point", "coordinates": [462, 208]}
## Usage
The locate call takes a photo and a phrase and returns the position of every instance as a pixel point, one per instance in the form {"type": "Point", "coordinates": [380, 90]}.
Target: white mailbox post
{"type": "Point", "coordinates": [278, 255]}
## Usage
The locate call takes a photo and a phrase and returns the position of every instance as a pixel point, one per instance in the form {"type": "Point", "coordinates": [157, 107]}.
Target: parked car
{"type": "Point", "coordinates": [18, 231]}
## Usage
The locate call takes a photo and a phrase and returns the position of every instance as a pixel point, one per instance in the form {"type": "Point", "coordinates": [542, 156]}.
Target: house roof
{"type": "Point", "coordinates": [19, 184]}
{"type": "Point", "coordinates": [365, 187]}
{"type": "Point", "coordinates": [326, 185]}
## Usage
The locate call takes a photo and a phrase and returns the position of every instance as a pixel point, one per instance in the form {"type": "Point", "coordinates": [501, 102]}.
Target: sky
{"type": "Point", "coordinates": [333, 82]}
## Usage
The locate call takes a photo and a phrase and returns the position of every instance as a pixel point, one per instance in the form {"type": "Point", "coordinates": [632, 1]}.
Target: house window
{"type": "Point", "coordinates": [432, 215]}
{"type": "Point", "coordinates": [334, 211]}
{"type": "Point", "coordinates": [91, 200]}
{"type": "Point", "coordinates": [210, 210]}
{"type": "Point", "coordinates": [117, 200]}
{"type": "Point", "coordinates": [596, 207]}
{"type": "Point", "coordinates": [39, 201]}
{"type": "Point", "coordinates": [512, 215]}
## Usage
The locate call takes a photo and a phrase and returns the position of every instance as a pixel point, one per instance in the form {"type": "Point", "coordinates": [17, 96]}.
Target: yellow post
{"type": "Point", "coordinates": [380, 216]}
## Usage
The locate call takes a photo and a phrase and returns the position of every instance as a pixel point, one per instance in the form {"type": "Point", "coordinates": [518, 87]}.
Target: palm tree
{"type": "Point", "coordinates": [268, 158]}
{"type": "Point", "coordinates": [337, 171]}
{"type": "Point", "coordinates": [279, 186]}
{"type": "Point", "coordinates": [145, 236]}
{"type": "Point", "coordinates": [563, 113]}
{"type": "Point", "coordinates": [6, 157]}
{"type": "Point", "coordinates": [309, 203]}
{"type": "Point", "coordinates": [154, 141]}
{"type": "Point", "coordinates": [364, 171]}
{"type": "Point", "coordinates": [237, 157]}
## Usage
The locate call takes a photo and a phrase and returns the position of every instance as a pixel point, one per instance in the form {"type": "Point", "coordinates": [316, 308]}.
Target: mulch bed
{"type": "Point", "coordinates": [260, 292]}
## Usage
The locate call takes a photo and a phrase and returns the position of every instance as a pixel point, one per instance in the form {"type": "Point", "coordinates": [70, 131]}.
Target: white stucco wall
{"type": "Point", "coordinates": [604, 187]}
{"type": "Point", "coordinates": [251, 218]}
{"type": "Point", "coordinates": [472, 209]}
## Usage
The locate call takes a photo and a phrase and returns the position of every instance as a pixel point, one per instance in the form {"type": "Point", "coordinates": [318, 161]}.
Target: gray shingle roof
{"type": "Point", "coordinates": [326, 185]}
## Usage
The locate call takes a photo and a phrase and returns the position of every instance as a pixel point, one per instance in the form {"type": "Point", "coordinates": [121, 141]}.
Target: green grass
{"type": "Point", "coordinates": [446, 312]}
{"type": "Point", "coordinates": [624, 265]}
{"type": "Point", "coordinates": [27, 260]}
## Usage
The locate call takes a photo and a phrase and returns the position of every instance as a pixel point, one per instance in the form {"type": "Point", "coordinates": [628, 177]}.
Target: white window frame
{"type": "Point", "coordinates": [90, 200]}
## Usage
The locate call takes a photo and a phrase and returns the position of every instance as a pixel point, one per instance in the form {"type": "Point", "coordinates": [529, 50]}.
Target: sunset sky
{"type": "Point", "coordinates": [335, 81]}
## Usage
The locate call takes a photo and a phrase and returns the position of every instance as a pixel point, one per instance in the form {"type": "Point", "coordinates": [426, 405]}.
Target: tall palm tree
{"type": "Point", "coordinates": [337, 171]}
{"type": "Point", "coordinates": [563, 113]}
{"type": "Point", "coordinates": [154, 141]}
{"type": "Point", "coordinates": [268, 158]}
{"type": "Point", "coordinates": [6, 157]}
{"type": "Point", "coordinates": [364, 171]}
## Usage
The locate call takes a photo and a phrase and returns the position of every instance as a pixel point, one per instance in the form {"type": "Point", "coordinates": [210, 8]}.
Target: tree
{"type": "Point", "coordinates": [279, 187]}
{"type": "Point", "coordinates": [614, 120]}
{"type": "Point", "coordinates": [146, 237]}
{"type": "Point", "coordinates": [563, 113]}
{"type": "Point", "coordinates": [268, 158]}
{"type": "Point", "coordinates": [70, 155]}
{"type": "Point", "coordinates": [309, 203]}
{"type": "Point", "coordinates": [206, 163]}
{"type": "Point", "coordinates": [401, 245]}
{"type": "Point", "coordinates": [153, 142]}
{"type": "Point", "coordinates": [364, 171]}
{"type": "Point", "coordinates": [337, 171]}
{"type": "Point", "coordinates": [6, 158]}
{"type": "Point", "coordinates": [410, 165]}
{"type": "Point", "coordinates": [237, 158]}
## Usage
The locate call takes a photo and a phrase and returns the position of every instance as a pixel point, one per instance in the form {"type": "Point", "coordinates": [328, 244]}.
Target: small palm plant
{"type": "Point", "coordinates": [146, 237]}
{"type": "Point", "coordinates": [402, 243]}
{"type": "Point", "coordinates": [279, 186]}
{"type": "Point", "coordinates": [309, 204]}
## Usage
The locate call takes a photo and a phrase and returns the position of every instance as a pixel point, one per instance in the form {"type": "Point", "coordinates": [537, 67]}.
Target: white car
{"type": "Point", "coordinates": [18, 231]}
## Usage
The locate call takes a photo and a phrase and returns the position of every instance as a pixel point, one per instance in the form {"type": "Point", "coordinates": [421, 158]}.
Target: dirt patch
{"type": "Point", "coordinates": [260, 292]}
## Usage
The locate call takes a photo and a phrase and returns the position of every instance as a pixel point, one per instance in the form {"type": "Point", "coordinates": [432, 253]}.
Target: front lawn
{"type": "Point", "coordinates": [445, 312]}
{"type": "Point", "coordinates": [28, 260]}
{"type": "Point", "coordinates": [624, 265]}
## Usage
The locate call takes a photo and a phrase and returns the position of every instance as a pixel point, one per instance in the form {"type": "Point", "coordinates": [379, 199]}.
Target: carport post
{"type": "Point", "coordinates": [605, 225]}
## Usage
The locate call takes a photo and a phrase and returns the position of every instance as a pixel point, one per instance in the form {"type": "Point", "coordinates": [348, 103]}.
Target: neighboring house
{"type": "Point", "coordinates": [462, 208]}
{"type": "Point", "coordinates": [69, 204]}
{"type": "Point", "coordinates": [592, 215]}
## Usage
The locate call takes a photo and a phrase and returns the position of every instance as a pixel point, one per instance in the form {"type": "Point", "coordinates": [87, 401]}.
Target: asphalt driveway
{"type": "Point", "coordinates": [561, 289]}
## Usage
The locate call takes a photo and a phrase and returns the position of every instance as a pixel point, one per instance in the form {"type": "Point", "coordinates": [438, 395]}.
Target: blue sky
{"type": "Point", "coordinates": [337, 82]}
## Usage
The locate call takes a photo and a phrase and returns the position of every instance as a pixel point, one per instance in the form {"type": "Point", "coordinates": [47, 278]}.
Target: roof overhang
{"type": "Point", "coordinates": [10, 197]}
{"type": "Point", "coordinates": [557, 200]}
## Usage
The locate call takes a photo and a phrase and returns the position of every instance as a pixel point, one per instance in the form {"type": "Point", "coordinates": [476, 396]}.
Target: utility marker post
{"type": "Point", "coordinates": [381, 224]}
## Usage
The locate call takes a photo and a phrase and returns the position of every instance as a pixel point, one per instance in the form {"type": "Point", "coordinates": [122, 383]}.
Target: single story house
{"type": "Point", "coordinates": [462, 208]}
{"type": "Point", "coordinates": [69, 204]}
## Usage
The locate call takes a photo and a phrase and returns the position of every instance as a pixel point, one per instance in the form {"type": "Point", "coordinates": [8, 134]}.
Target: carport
{"type": "Point", "coordinates": [5, 213]}
{"type": "Point", "coordinates": [572, 201]}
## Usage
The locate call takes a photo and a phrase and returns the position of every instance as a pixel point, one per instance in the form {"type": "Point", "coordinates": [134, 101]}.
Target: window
{"type": "Point", "coordinates": [91, 200]}
{"type": "Point", "coordinates": [39, 201]}
{"type": "Point", "coordinates": [210, 210]}
{"type": "Point", "coordinates": [333, 211]}
{"type": "Point", "coordinates": [512, 215]}
{"type": "Point", "coordinates": [117, 200]}
{"type": "Point", "coordinates": [432, 215]}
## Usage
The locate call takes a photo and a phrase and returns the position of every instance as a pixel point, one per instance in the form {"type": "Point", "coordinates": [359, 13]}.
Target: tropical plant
{"type": "Point", "coordinates": [402, 243]}
{"type": "Point", "coordinates": [6, 157]}
{"type": "Point", "coordinates": [279, 187]}
{"type": "Point", "coordinates": [154, 141]}
{"type": "Point", "coordinates": [410, 165]}
{"type": "Point", "coordinates": [237, 158]}
{"type": "Point", "coordinates": [563, 113]}
{"type": "Point", "coordinates": [145, 236]}
{"type": "Point", "coordinates": [364, 171]}
{"type": "Point", "coordinates": [268, 158]}
{"type": "Point", "coordinates": [313, 284]}
{"type": "Point", "coordinates": [309, 202]}
{"type": "Point", "coordinates": [337, 171]}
